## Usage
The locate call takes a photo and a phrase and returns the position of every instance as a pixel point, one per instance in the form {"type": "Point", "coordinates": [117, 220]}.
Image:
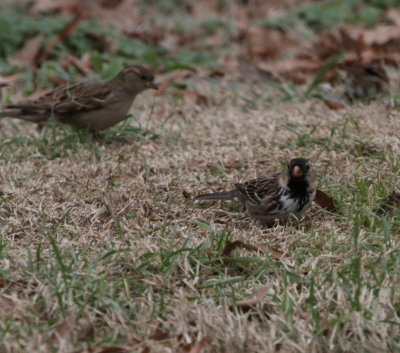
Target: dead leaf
{"type": "Point", "coordinates": [199, 345]}
{"type": "Point", "coordinates": [41, 56]}
{"type": "Point", "coordinates": [193, 97]}
{"type": "Point", "coordinates": [72, 329]}
{"type": "Point", "coordinates": [165, 79]}
{"type": "Point", "coordinates": [334, 104]}
{"type": "Point", "coordinates": [27, 54]}
{"type": "Point", "coordinates": [107, 349]}
{"type": "Point", "coordinates": [9, 80]}
{"type": "Point", "coordinates": [204, 8]}
{"type": "Point", "coordinates": [256, 298]}
{"type": "Point", "coordinates": [278, 254]}
{"type": "Point", "coordinates": [230, 246]}
{"type": "Point", "coordinates": [324, 201]}
{"type": "Point", "coordinates": [297, 70]}
{"type": "Point", "coordinates": [82, 64]}
{"type": "Point", "coordinates": [150, 147]}
{"type": "Point", "coordinates": [252, 73]}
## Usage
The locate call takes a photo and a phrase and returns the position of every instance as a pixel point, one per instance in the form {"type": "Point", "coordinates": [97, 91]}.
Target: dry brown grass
{"type": "Point", "coordinates": [335, 290]}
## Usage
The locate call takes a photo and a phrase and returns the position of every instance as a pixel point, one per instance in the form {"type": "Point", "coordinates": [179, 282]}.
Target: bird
{"type": "Point", "coordinates": [273, 198]}
{"type": "Point", "coordinates": [366, 80]}
{"type": "Point", "coordinates": [92, 106]}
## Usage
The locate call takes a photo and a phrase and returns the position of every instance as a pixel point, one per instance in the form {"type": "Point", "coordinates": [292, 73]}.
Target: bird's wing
{"type": "Point", "coordinates": [79, 97]}
{"type": "Point", "coordinates": [68, 99]}
{"type": "Point", "coordinates": [260, 190]}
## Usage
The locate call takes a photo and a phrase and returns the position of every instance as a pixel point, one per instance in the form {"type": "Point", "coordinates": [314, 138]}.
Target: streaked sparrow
{"type": "Point", "coordinates": [273, 198]}
{"type": "Point", "coordinates": [87, 105]}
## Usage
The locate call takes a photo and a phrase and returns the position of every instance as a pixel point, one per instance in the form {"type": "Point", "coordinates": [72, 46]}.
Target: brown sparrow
{"type": "Point", "coordinates": [87, 105]}
{"type": "Point", "coordinates": [274, 197]}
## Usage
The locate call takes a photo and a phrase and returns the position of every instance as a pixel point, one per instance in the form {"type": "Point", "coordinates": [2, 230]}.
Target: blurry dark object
{"type": "Point", "coordinates": [366, 80]}
{"type": "Point", "coordinates": [389, 204]}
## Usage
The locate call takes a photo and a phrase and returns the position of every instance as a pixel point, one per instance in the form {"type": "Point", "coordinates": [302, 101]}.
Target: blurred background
{"type": "Point", "coordinates": [298, 47]}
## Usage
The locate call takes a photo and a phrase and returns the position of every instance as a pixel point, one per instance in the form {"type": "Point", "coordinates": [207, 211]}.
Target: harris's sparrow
{"type": "Point", "coordinates": [87, 105]}
{"type": "Point", "coordinates": [274, 197]}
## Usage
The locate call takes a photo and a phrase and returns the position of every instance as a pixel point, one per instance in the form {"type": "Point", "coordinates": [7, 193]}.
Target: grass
{"type": "Point", "coordinates": [99, 229]}
{"type": "Point", "coordinates": [101, 245]}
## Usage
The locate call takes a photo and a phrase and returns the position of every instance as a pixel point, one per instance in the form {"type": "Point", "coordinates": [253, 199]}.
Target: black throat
{"type": "Point", "coordinates": [298, 187]}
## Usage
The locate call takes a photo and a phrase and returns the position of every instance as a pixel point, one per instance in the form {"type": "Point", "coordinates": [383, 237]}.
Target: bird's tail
{"type": "Point", "coordinates": [34, 116]}
{"type": "Point", "coordinates": [232, 195]}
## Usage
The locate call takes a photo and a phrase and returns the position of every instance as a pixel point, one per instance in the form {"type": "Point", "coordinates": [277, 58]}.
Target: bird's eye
{"type": "Point", "coordinates": [306, 167]}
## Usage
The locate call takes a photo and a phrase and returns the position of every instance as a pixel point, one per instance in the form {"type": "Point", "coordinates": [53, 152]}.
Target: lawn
{"type": "Point", "coordinates": [103, 250]}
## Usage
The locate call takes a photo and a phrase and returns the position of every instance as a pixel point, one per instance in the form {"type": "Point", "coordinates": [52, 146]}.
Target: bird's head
{"type": "Point", "coordinates": [300, 170]}
{"type": "Point", "coordinates": [137, 78]}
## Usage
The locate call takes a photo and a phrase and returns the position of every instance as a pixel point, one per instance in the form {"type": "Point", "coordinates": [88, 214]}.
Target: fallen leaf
{"type": "Point", "coordinates": [27, 54]}
{"type": "Point", "coordinates": [256, 298]}
{"type": "Point", "coordinates": [165, 79]}
{"type": "Point", "coordinates": [107, 349]}
{"type": "Point", "coordinates": [267, 43]}
{"type": "Point", "coordinates": [204, 8]}
{"type": "Point", "coordinates": [199, 345]}
{"type": "Point", "coordinates": [9, 80]}
{"type": "Point", "coordinates": [150, 147]}
{"type": "Point", "coordinates": [324, 201]}
{"type": "Point", "coordinates": [82, 64]}
{"type": "Point", "coordinates": [334, 104]}
{"type": "Point", "coordinates": [278, 254]}
{"type": "Point", "coordinates": [230, 246]}
{"type": "Point", "coordinates": [252, 73]}
{"type": "Point", "coordinates": [193, 97]}
{"type": "Point", "coordinates": [42, 54]}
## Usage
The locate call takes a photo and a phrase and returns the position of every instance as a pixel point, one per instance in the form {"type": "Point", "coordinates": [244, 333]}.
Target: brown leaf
{"type": "Point", "coordinates": [328, 45]}
{"type": "Point", "coordinates": [62, 6]}
{"type": "Point", "coordinates": [199, 345]}
{"type": "Point", "coordinates": [27, 54]}
{"type": "Point", "coordinates": [82, 64]}
{"type": "Point", "coordinates": [9, 80]}
{"type": "Point", "coordinates": [251, 73]}
{"type": "Point", "coordinates": [107, 349]}
{"type": "Point", "coordinates": [278, 254]}
{"type": "Point", "coordinates": [256, 298]}
{"type": "Point", "coordinates": [193, 97]}
{"type": "Point", "coordinates": [334, 104]}
{"type": "Point", "coordinates": [230, 246]}
{"type": "Point", "coordinates": [297, 70]}
{"type": "Point", "coordinates": [324, 201]}
{"type": "Point", "coordinates": [165, 79]}
{"type": "Point", "coordinates": [59, 37]}
{"type": "Point", "coordinates": [204, 8]}
{"type": "Point", "coordinates": [258, 46]}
